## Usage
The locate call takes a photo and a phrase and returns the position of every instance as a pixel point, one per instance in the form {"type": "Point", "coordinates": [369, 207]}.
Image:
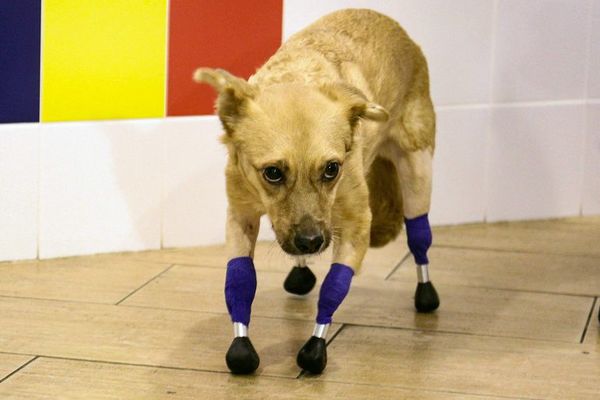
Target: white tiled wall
{"type": "Point", "coordinates": [100, 187]}
{"type": "Point", "coordinates": [19, 166]}
{"type": "Point", "coordinates": [594, 49]}
{"type": "Point", "coordinates": [516, 85]}
{"type": "Point", "coordinates": [456, 37]}
{"type": "Point", "coordinates": [534, 162]}
{"type": "Point", "coordinates": [194, 202]}
{"type": "Point", "coordinates": [459, 166]}
{"type": "Point", "coordinates": [591, 178]}
{"type": "Point", "coordinates": [540, 50]}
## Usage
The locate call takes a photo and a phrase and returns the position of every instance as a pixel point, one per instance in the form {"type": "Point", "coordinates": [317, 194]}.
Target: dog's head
{"type": "Point", "coordinates": [290, 142]}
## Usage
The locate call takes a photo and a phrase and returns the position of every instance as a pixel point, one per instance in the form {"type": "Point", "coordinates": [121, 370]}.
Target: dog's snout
{"type": "Point", "coordinates": [309, 243]}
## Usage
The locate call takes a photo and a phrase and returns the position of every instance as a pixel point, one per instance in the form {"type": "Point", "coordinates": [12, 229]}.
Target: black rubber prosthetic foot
{"type": "Point", "coordinates": [312, 357]}
{"type": "Point", "coordinates": [426, 298]}
{"type": "Point", "coordinates": [300, 280]}
{"type": "Point", "coordinates": [241, 357]}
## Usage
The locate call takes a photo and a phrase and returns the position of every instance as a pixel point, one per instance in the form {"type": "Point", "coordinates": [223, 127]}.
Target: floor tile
{"type": "Point", "coordinates": [66, 379]}
{"type": "Point", "coordinates": [268, 256]}
{"type": "Point", "coordinates": [181, 339]}
{"type": "Point", "coordinates": [463, 363]}
{"type": "Point", "coordinates": [569, 238]}
{"type": "Point", "coordinates": [10, 363]}
{"type": "Point", "coordinates": [201, 289]}
{"type": "Point", "coordinates": [513, 271]}
{"type": "Point", "coordinates": [93, 279]}
{"type": "Point", "coordinates": [592, 335]}
{"type": "Point", "coordinates": [382, 303]}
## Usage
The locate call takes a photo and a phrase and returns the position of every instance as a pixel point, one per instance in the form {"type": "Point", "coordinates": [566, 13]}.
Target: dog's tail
{"type": "Point", "coordinates": [385, 200]}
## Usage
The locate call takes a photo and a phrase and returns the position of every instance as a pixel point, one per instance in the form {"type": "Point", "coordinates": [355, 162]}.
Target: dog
{"type": "Point", "coordinates": [333, 139]}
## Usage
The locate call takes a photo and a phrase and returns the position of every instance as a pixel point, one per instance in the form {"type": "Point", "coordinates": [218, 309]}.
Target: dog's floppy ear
{"type": "Point", "coordinates": [234, 94]}
{"type": "Point", "coordinates": [355, 102]}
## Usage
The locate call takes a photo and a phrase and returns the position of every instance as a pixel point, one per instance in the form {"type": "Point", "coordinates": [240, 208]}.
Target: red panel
{"type": "Point", "coordinates": [237, 35]}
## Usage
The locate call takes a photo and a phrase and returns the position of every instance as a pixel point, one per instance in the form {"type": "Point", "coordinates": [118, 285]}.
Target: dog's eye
{"type": "Point", "coordinates": [273, 175]}
{"type": "Point", "coordinates": [331, 171]}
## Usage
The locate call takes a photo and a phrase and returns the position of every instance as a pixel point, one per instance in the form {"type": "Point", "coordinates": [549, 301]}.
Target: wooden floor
{"type": "Point", "coordinates": [518, 319]}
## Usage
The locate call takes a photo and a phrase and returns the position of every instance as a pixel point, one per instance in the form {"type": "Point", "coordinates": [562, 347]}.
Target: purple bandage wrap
{"type": "Point", "coordinates": [419, 238]}
{"type": "Point", "coordinates": [334, 289]}
{"type": "Point", "coordinates": [240, 288]}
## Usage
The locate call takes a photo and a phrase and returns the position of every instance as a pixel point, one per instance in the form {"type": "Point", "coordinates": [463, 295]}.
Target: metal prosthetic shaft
{"type": "Point", "coordinates": [419, 237]}
{"type": "Point", "coordinates": [313, 355]}
{"type": "Point", "coordinates": [240, 288]}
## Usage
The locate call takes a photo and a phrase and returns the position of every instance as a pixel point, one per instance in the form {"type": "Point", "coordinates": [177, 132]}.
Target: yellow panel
{"type": "Point", "coordinates": [103, 59]}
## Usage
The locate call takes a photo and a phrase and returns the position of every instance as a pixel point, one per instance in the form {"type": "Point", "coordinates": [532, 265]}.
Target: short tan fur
{"type": "Point", "coordinates": [352, 89]}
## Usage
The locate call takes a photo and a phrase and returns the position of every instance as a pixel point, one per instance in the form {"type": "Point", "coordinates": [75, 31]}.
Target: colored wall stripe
{"type": "Point", "coordinates": [20, 60]}
{"type": "Point", "coordinates": [237, 35]}
{"type": "Point", "coordinates": [103, 59]}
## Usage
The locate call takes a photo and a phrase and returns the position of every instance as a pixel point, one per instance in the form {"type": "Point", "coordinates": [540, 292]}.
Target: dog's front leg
{"type": "Point", "coordinates": [240, 287]}
{"type": "Point", "coordinates": [351, 224]}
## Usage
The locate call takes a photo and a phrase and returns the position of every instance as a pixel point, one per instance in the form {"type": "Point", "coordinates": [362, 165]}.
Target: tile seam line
{"type": "Point", "coordinates": [504, 289]}
{"type": "Point", "coordinates": [456, 333]}
{"type": "Point", "coordinates": [143, 306]}
{"type": "Point", "coordinates": [145, 284]}
{"type": "Point", "coordinates": [341, 328]}
{"type": "Point", "coordinates": [518, 251]}
{"type": "Point", "coordinates": [354, 324]}
{"type": "Point", "coordinates": [417, 388]}
{"type": "Point", "coordinates": [18, 369]}
{"type": "Point", "coordinates": [157, 366]}
{"type": "Point", "coordinates": [589, 319]}
{"type": "Point", "coordinates": [402, 260]}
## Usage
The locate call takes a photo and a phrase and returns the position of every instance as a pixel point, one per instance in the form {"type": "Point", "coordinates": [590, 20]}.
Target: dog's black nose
{"type": "Point", "coordinates": [308, 244]}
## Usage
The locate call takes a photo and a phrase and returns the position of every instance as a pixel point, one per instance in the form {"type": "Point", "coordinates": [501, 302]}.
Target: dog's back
{"type": "Point", "coordinates": [362, 47]}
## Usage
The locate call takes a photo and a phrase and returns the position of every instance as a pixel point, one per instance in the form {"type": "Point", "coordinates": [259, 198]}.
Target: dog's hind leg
{"type": "Point", "coordinates": [240, 288]}
{"type": "Point", "coordinates": [301, 279]}
{"type": "Point", "coordinates": [414, 170]}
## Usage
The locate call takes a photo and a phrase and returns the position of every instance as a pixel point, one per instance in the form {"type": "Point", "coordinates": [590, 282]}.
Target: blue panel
{"type": "Point", "coordinates": [19, 60]}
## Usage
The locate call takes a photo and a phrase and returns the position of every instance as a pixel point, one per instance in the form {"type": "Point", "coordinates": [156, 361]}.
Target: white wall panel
{"type": "Point", "coordinates": [591, 176]}
{"type": "Point", "coordinates": [456, 37]}
{"type": "Point", "coordinates": [535, 159]}
{"type": "Point", "coordinates": [100, 187]}
{"type": "Point", "coordinates": [459, 166]}
{"type": "Point", "coordinates": [194, 191]}
{"type": "Point", "coordinates": [195, 201]}
{"type": "Point", "coordinates": [541, 50]}
{"type": "Point", "coordinates": [19, 166]}
{"type": "Point", "coordinates": [594, 62]}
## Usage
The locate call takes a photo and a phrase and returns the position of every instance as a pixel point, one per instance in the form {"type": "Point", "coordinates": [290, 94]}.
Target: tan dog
{"type": "Point", "coordinates": [332, 138]}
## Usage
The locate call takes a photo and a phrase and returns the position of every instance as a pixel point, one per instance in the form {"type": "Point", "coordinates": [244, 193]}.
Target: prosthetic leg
{"type": "Point", "coordinates": [418, 232]}
{"type": "Point", "coordinates": [313, 355]}
{"type": "Point", "coordinates": [301, 280]}
{"type": "Point", "coordinates": [240, 288]}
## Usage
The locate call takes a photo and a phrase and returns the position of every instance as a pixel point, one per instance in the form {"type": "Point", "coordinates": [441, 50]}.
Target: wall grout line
{"type": "Point", "coordinates": [582, 152]}
{"type": "Point", "coordinates": [488, 133]}
{"type": "Point", "coordinates": [18, 369]}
